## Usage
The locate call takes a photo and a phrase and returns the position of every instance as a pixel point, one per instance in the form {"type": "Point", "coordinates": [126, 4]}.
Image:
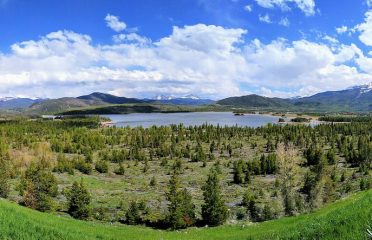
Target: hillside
{"type": "Point", "coordinates": [108, 98]}
{"type": "Point", "coordinates": [15, 103]}
{"type": "Point", "coordinates": [68, 103]}
{"type": "Point", "coordinates": [345, 219]}
{"type": "Point", "coordinates": [358, 98]}
{"type": "Point", "coordinates": [355, 99]}
{"type": "Point", "coordinates": [127, 108]}
{"type": "Point", "coordinates": [255, 101]}
{"type": "Point", "coordinates": [60, 104]}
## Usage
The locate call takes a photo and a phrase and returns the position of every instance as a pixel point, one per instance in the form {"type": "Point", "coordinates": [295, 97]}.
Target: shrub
{"type": "Point", "coordinates": [120, 170]}
{"type": "Point", "coordinates": [83, 166]}
{"type": "Point", "coordinates": [101, 166]}
{"type": "Point", "coordinates": [64, 165]}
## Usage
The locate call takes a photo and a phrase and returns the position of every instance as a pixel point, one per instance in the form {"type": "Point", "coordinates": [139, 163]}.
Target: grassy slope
{"type": "Point", "coordinates": [345, 219]}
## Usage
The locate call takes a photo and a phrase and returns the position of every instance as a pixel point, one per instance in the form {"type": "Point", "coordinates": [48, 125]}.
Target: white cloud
{"type": "Point", "coordinates": [342, 29]}
{"type": "Point", "coordinates": [369, 3]}
{"type": "Point", "coordinates": [114, 23]}
{"type": "Point", "coordinates": [330, 39]}
{"type": "Point", "coordinates": [206, 60]}
{"type": "Point", "coordinates": [284, 22]}
{"type": "Point", "coordinates": [248, 8]}
{"type": "Point", "coordinates": [365, 29]}
{"type": "Point", "coordinates": [265, 18]}
{"type": "Point", "coordinates": [194, 59]}
{"type": "Point", "coordinates": [131, 37]}
{"type": "Point", "coordinates": [306, 6]}
{"type": "Point", "coordinates": [302, 65]}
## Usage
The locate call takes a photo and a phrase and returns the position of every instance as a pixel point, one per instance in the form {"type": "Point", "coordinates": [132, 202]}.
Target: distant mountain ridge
{"type": "Point", "coordinates": [14, 102]}
{"type": "Point", "coordinates": [105, 98]}
{"type": "Point", "coordinates": [255, 101]}
{"type": "Point", "coordinates": [184, 100]}
{"type": "Point", "coordinates": [357, 98]}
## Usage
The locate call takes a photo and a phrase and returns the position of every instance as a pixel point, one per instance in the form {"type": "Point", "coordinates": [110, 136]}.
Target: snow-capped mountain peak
{"type": "Point", "coordinates": [191, 96]}
{"type": "Point", "coordinates": [164, 97]}
{"type": "Point", "coordinates": [4, 99]}
{"type": "Point", "coordinates": [172, 97]}
{"type": "Point", "coordinates": [362, 88]}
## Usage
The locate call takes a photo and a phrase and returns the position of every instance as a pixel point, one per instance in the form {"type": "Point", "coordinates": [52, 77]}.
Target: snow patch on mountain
{"type": "Point", "coordinates": [172, 97]}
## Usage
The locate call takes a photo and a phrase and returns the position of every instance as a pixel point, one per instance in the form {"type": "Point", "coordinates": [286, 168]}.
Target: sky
{"type": "Point", "coordinates": [209, 48]}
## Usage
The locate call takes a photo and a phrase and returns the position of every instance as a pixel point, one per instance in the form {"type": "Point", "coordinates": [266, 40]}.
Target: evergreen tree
{"type": "Point", "coordinates": [214, 211]}
{"type": "Point", "coordinates": [331, 157]}
{"type": "Point", "coordinates": [181, 209]}
{"type": "Point", "coordinates": [249, 201]}
{"type": "Point", "coordinates": [133, 216]}
{"type": "Point", "coordinates": [288, 173]}
{"type": "Point", "coordinates": [238, 172]}
{"type": "Point", "coordinates": [38, 187]}
{"type": "Point", "coordinates": [78, 201]}
{"type": "Point", "coordinates": [4, 172]}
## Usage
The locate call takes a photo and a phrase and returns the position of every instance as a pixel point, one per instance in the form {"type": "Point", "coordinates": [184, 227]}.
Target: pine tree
{"type": "Point", "coordinates": [238, 172]}
{"type": "Point", "coordinates": [288, 165]}
{"type": "Point", "coordinates": [38, 187]}
{"type": "Point", "coordinates": [132, 216]}
{"type": "Point", "coordinates": [214, 211]}
{"type": "Point", "coordinates": [181, 209]}
{"type": "Point", "coordinates": [4, 174]}
{"type": "Point", "coordinates": [78, 201]}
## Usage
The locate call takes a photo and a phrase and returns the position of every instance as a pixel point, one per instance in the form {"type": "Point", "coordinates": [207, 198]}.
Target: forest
{"type": "Point", "coordinates": [175, 177]}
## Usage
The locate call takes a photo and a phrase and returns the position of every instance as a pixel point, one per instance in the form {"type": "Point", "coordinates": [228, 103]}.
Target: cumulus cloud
{"type": "Point", "coordinates": [193, 59]}
{"type": "Point", "coordinates": [114, 23]}
{"type": "Point", "coordinates": [302, 64]}
{"type": "Point", "coordinates": [206, 60]}
{"type": "Point", "coordinates": [342, 29]}
{"type": "Point", "coordinates": [306, 6]}
{"type": "Point", "coordinates": [365, 29]}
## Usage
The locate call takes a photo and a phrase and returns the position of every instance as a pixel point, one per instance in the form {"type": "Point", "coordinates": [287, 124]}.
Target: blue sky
{"type": "Point", "coordinates": [211, 48]}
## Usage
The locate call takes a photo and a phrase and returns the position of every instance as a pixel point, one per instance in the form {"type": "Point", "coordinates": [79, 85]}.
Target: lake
{"type": "Point", "coordinates": [191, 119]}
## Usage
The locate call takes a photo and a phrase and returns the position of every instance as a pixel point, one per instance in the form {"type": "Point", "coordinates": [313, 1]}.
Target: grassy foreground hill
{"type": "Point", "coordinates": [346, 219]}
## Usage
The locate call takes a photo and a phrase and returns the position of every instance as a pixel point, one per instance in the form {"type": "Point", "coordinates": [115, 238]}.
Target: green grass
{"type": "Point", "coordinates": [345, 219]}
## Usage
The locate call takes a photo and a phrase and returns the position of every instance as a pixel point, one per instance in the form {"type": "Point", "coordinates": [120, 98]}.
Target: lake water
{"type": "Point", "coordinates": [190, 119]}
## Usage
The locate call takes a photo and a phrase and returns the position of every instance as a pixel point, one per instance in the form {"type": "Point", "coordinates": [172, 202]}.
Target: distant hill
{"type": "Point", "coordinates": [13, 103]}
{"type": "Point", "coordinates": [105, 98]}
{"type": "Point", "coordinates": [255, 101]}
{"type": "Point", "coordinates": [60, 104]}
{"type": "Point", "coordinates": [69, 103]}
{"type": "Point", "coordinates": [358, 98]}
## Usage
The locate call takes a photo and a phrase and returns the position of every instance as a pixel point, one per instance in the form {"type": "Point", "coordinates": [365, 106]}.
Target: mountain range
{"type": "Point", "coordinates": [14, 103]}
{"type": "Point", "coordinates": [190, 100]}
{"type": "Point", "coordinates": [358, 98]}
